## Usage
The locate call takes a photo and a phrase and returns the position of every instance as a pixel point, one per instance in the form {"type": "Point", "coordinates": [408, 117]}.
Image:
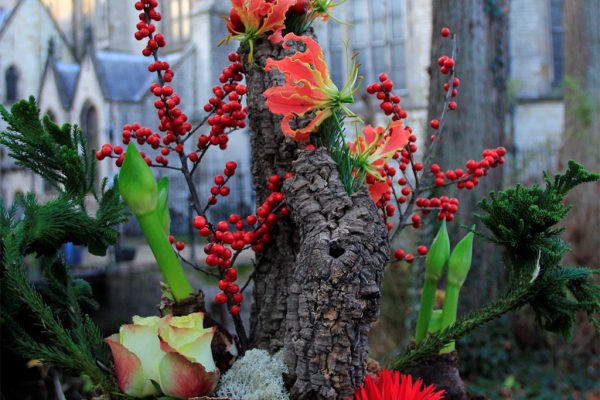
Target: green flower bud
{"type": "Point", "coordinates": [459, 263]}
{"type": "Point", "coordinates": [162, 204]}
{"type": "Point", "coordinates": [137, 184]}
{"type": "Point", "coordinates": [438, 254]}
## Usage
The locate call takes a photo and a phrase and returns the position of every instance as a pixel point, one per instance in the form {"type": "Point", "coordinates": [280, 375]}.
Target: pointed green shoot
{"type": "Point", "coordinates": [162, 204]}
{"type": "Point", "coordinates": [437, 257]}
{"type": "Point", "coordinates": [149, 204]}
{"type": "Point", "coordinates": [137, 183]}
{"type": "Point", "coordinates": [459, 265]}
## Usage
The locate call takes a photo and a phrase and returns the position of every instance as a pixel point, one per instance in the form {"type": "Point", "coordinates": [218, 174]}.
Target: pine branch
{"type": "Point", "coordinates": [69, 349]}
{"type": "Point", "coordinates": [331, 136]}
{"type": "Point", "coordinates": [57, 154]}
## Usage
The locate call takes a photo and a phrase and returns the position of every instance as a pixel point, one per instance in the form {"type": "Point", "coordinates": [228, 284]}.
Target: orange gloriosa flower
{"type": "Point", "coordinates": [249, 19]}
{"type": "Point", "coordinates": [391, 385]}
{"type": "Point", "coordinates": [373, 149]}
{"type": "Point", "coordinates": [308, 88]}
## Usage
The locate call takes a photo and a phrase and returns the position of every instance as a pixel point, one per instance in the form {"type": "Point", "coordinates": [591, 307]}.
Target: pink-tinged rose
{"type": "Point", "coordinates": [137, 354]}
{"type": "Point", "coordinates": [188, 369]}
{"type": "Point", "coordinates": [172, 353]}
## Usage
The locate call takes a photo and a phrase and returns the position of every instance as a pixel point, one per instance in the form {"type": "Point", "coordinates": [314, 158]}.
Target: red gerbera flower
{"type": "Point", "coordinates": [391, 385]}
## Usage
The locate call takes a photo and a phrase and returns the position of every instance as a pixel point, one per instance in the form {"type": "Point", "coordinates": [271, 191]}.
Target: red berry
{"type": "Point", "coordinates": [445, 32]}
{"type": "Point", "coordinates": [422, 250]}
{"type": "Point", "coordinates": [221, 298]}
{"type": "Point", "coordinates": [435, 123]}
{"type": "Point", "coordinates": [452, 105]}
{"type": "Point", "coordinates": [399, 254]}
{"type": "Point", "coordinates": [179, 246]}
{"type": "Point", "coordinates": [238, 297]}
{"type": "Point", "coordinates": [235, 310]}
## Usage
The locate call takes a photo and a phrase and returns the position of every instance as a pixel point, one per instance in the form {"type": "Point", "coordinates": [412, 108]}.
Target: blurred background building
{"type": "Point", "coordinates": [80, 59]}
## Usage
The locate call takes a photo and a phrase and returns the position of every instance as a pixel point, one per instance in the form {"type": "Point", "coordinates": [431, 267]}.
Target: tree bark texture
{"type": "Point", "coordinates": [272, 153]}
{"type": "Point", "coordinates": [442, 371]}
{"type": "Point", "coordinates": [335, 288]}
{"type": "Point", "coordinates": [481, 29]}
{"type": "Point", "coordinates": [582, 124]}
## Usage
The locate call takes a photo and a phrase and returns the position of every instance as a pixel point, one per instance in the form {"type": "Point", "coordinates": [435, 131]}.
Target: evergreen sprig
{"type": "Point", "coordinates": [58, 154]}
{"type": "Point", "coordinates": [27, 227]}
{"type": "Point", "coordinates": [75, 341]}
{"type": "Point", "coordinates": [331, 136]}
{"type": "Point", "coordinates": [523, 220]}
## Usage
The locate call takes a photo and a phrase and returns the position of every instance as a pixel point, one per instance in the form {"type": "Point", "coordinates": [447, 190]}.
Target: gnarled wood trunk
{"type": "Point", "coordinates": [272, 153]}
{"type": "Point", "coordinates": [335, 288]}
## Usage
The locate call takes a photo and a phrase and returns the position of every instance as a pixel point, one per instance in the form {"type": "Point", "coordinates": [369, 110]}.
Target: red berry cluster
{"type": "Point", "coordinates": [226, 106]}
{"type": "Point", "coordinates": [238, 234]}
{"type": "Point", "coordinates": [145, 28]}
{"type": "Point", "coordinates": [390, 103]}
{"type": "Point", "coordinates": [400, 254]}
{"type": "Point", "coordinates": [107, 150]}
{"type": "Point", "coordinates": [220, 187]}
{"type": "Point", "coordinates": [447, 206]}
{"type": "Point", "coordinates": [474, 170]}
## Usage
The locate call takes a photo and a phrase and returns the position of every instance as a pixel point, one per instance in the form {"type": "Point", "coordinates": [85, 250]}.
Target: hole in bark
{"type": "Point", "coordinates": [335, 251]}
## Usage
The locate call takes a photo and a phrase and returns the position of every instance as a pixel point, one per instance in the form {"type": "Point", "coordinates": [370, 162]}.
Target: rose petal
{"type": "Point", "coordinates": [183, 379]}
{"type": "Point", "coordinates": [129, 371]}
{"type": "Point", "coordinates": [143, 341]}
{"type": "Point", "coordinates": [199, 351]}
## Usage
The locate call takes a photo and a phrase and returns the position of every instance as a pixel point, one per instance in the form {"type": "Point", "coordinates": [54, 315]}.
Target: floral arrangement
{"type": "Point", "coordinates": [178, 355]}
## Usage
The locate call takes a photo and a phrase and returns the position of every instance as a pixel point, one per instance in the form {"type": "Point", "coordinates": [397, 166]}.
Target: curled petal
{"type": "Point", "coordinates": [303, 134]}
{"type": "Point", "coordinates": [184, 379]}
{"type": "Point", "coordinates": [396, 141]}
{"type": "Point", "coordinates": [129, 371]}
{"type": "Point", "coordinates": [275, 20]}
{"type": "Point", "coordinates": [300, 101]}
{"type": "Point", "coordinates": [313, 54]}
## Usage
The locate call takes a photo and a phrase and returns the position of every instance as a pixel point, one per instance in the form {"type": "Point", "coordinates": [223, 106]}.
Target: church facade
{"type": "Point", "coordinates": [84, 65]}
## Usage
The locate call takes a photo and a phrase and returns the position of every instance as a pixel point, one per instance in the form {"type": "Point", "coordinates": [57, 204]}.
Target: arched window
{"type": "Point", "coordinates": [12, 84]}
{"type": "Point", "coordinates": [89, 125]}
{"type": "Point", "coordinates": [91, 130]}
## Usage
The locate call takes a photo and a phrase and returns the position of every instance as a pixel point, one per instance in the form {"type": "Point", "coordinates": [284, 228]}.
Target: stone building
{"type": "Point", "coordinates": [85, 66]}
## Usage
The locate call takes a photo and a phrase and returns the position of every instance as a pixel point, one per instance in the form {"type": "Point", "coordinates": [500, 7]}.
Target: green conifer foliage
{"type": "Point", "coordinates": [524, 220]}
{"type": "Point", "coordinates": [27, 227]}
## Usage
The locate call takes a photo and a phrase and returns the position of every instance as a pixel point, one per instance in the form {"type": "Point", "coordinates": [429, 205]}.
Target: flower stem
{"type": "Point", "coordinates": [165, 256]}
{"type": "Point", "coordinates": [449, 312]}
{"type": "Point", "coordinates": [426, 309]}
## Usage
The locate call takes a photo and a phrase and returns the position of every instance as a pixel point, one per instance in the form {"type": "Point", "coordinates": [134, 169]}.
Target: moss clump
{"type": "Point", "coordinates": [256, 376]}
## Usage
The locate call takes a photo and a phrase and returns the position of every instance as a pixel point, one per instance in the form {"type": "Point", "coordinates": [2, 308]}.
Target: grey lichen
{"type": "Point", "coordinates": [256, 376]}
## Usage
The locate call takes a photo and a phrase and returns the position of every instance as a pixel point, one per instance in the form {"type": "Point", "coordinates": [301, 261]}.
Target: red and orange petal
{"type": "Point", "coordinates": [275, 20]}
{"type": "Point", "coordinates": [312, 56]}
{"type": "Point", "coordinates": [397, 139]}
{"type": "Point", "coordinates": [291, 99]}
{"type": "Point", "coordinates": [303, 134]}
{"type": "Point", "coordinates": [261, 17]}
{"type": "Point", "coordinates": [128, 368]}
{"type": "Point", "coordinates": [184, 379]}
{"type": "Point", "coordinates": [377, 190]}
